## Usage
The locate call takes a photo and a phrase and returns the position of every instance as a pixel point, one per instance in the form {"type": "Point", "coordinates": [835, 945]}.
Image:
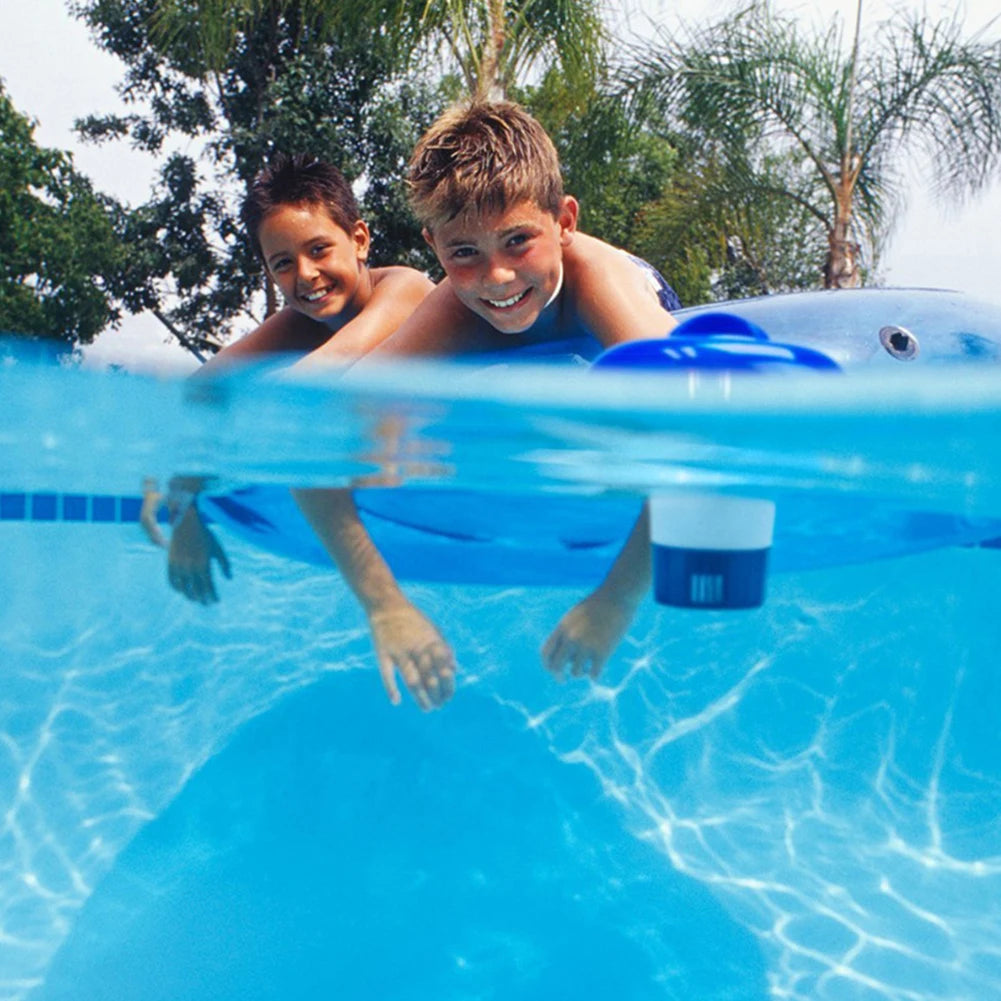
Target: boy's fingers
{"type": "Point", "coordinates": [437, 666]}
{"type": "Point", "coordinates": [427, 672]}
{"type": "Point", "coordinates": [220, 555]}
{"type": "Point", "coordinates": [388, 674]}
{"type": "Point", "coordinates": [209, 595]}
{"type": "Point", "coordinates": [553, 653]}
{"type": "Point", "coordinates": [412, 678]}
{"type": "Point", "coordinates": [428, 676]}
{"type": "Point", "coordinates": [447, 677]}
{"type": "Point", "coordinates": [577, 660]}
{"type": "Point", "coordinates": [195, 585]}
{"type": "Point", "coordinates": [179, 581]}
{"type": "Point", "coordinates": [196, 588]}
{"type": "Point", "coordinates": [549, 646]}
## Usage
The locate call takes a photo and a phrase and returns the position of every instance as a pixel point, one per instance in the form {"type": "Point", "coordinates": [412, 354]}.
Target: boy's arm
{"type": "Point", "coordinates": [586, 636]}
{"type": "Point", "coordinates": [396, 293]}
{"type": "Point", "coordinates": [440, 325]}
{"type": "Point", "coordinates": [405, 640]}
{"type": "Point", "coordinates": [612, 296]}
{"type": "Point", "coordinates": [286, 331]}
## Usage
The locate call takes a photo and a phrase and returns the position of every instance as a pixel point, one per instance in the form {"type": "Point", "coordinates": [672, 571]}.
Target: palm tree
{"type": "Point", "coordinates": [493, 43]}
{"type": "Point", "coordinates": [496, 43]}
{"type": "Point", "coordinates": [855, 116]}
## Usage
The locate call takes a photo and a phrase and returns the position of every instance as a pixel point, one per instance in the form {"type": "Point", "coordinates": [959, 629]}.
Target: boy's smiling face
{"type": "Point", "coordinates": [319, 268]}
{"type": "Point", "coordinates": [505, 266]}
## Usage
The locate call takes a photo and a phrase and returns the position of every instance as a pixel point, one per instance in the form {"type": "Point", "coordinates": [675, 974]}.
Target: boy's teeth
{"type": "Point", "coordinates": [313, 296]}
{"type": "Point", "coordinates": [501, 303]}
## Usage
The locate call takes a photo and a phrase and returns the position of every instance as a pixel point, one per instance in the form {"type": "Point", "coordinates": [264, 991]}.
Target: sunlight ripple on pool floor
{"type": "Point", "coordinates": [848, 809]}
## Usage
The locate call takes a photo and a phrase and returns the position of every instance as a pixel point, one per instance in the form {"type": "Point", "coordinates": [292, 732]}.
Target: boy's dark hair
{"type": "Point", "coordinates": [483, 156]}
{"type": "Point", "coordinates": [299, 179]}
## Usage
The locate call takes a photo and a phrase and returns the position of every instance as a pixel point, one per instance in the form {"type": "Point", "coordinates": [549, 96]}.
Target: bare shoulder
{"type": "Point", "coordinates": [440, 325]}
{"type": "Point", "coordinates": [611, 294]}
{"type": "Point", "coordinates": [590, 261]}
{"type": "Point", "coordinates": [401, 279]}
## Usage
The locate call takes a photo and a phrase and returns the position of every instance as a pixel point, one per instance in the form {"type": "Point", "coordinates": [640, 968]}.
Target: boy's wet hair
{"type": "Point", "coordinates": [484, 156]}
{"type": "Point", "coordinates": [299, 179]}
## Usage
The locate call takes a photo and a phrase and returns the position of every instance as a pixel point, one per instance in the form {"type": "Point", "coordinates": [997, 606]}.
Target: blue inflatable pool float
{"type": "Point", "coordinates": [468, 536]}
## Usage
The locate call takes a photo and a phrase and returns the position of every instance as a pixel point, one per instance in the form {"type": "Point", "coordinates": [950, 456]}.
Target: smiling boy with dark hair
{"type": "Point", "coordinates": [304, 221]}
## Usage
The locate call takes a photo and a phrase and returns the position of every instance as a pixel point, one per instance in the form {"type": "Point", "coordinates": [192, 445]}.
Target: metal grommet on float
{"type": "Point", "coordinates": [899, 342]}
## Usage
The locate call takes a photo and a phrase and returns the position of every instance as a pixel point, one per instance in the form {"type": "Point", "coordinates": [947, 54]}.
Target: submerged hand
{"type": "Point", "coordinates": [152, 501]}
{"type": "Point", "coordinates": [407, 641]}
{"type": "Point", "coordinates": [189, 559]}
{"type": "Point", "coordinates": [587, 635]}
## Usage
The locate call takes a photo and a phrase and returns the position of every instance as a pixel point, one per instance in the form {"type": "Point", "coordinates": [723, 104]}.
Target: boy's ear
{"type": "Point", "coordinates": [362, 239]}
{"type": "Point", "coordinates": [567, 219]}
{"type": "Point", "coordinates": [429, 240]}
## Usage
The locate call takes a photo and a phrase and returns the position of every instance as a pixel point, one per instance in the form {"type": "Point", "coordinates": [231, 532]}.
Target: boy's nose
{"type": "Point", "coordinates": [307, 269]}
{"type": "Point", "coordinates": [498, 273]}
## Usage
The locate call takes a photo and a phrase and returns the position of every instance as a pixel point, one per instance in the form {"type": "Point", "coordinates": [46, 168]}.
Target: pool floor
{"type": "Point", "coordinates": [800, 802]}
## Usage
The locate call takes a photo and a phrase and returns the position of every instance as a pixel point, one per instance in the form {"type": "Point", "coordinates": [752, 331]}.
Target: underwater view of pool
{"type": "Point", "coordinates": [801, 801]}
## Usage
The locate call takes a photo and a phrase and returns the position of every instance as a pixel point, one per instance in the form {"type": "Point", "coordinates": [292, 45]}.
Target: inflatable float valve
{"type": "Point", "coordinates": [710, 550]}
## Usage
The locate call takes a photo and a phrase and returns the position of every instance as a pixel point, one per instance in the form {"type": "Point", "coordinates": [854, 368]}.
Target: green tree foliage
{"type": "Point", "coordinates": [354, 82]}
{"type": "Point", "coordinates": [58, 246]}
{"type": "Point", "coordinates": [719, 238]}
{"type": "Point", "coordinates": [609, 164]}
{"type": "Point", "coordinates": [663, 197]}
{"type": "Point", "coordinates": [850, 113]}
{"type": "Point", "coordinates": [495, 44]}
{"type": "Point", "coordinates": [242, 80]}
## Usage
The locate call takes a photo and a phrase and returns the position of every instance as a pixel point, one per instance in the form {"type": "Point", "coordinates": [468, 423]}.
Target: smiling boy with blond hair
{"type": "Point", "coordinates": [485, 184]}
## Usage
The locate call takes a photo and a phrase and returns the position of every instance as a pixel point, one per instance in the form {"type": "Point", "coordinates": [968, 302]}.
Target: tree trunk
{"type": "Point", "coordinates": [489, 86]}
{"type": "Point", "coordinates": [841, 268]}
{"type": "Point", "coordinates": [182, 338]}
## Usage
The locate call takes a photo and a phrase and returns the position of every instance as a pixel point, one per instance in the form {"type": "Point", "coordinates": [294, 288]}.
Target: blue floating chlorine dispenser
{"type": "Point", "coordinates": [710, 550]}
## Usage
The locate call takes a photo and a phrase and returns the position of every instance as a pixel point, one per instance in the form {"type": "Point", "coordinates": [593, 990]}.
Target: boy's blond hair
{"type": "Point", "coordinates": [484, 156]}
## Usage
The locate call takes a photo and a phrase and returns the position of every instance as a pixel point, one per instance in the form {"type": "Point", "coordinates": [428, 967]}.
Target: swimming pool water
{"type": "Point", "coordinates": [802, 801]}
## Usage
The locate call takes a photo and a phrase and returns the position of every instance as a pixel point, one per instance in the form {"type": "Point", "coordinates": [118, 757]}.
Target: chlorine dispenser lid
{"type": "Point", "coordinates": [715, 341]}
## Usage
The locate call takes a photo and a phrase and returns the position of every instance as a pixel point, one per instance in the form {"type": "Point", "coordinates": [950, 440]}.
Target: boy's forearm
{"type": "Point", "coordinates": [628, 579]}
{"type": "Point", "coordinates": [396, 295]}
{"type": "Point", "coordinates": [335, 519]}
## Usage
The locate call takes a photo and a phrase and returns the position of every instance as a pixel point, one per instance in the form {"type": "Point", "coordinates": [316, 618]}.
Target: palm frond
{"type": "Point", "coordinates": [755, 82]}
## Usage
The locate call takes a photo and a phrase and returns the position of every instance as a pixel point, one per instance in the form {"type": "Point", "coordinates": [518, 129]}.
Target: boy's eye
{"type": "Point", "coordinates": [319, 249]}
{"type": "Point", "coordinates": [281, 264]}
{"type": "Point", "coordinates": [518, 239]}
{"type": "Point", "coordinates": [464, 252]}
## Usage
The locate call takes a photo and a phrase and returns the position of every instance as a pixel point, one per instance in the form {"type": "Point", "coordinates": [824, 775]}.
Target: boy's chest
{"type": "Point", "coordinates": [557, 332]}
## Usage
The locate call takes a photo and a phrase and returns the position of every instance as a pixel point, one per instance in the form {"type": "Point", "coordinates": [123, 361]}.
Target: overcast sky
{"type": "Point", "coordinates": [55, 74]}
